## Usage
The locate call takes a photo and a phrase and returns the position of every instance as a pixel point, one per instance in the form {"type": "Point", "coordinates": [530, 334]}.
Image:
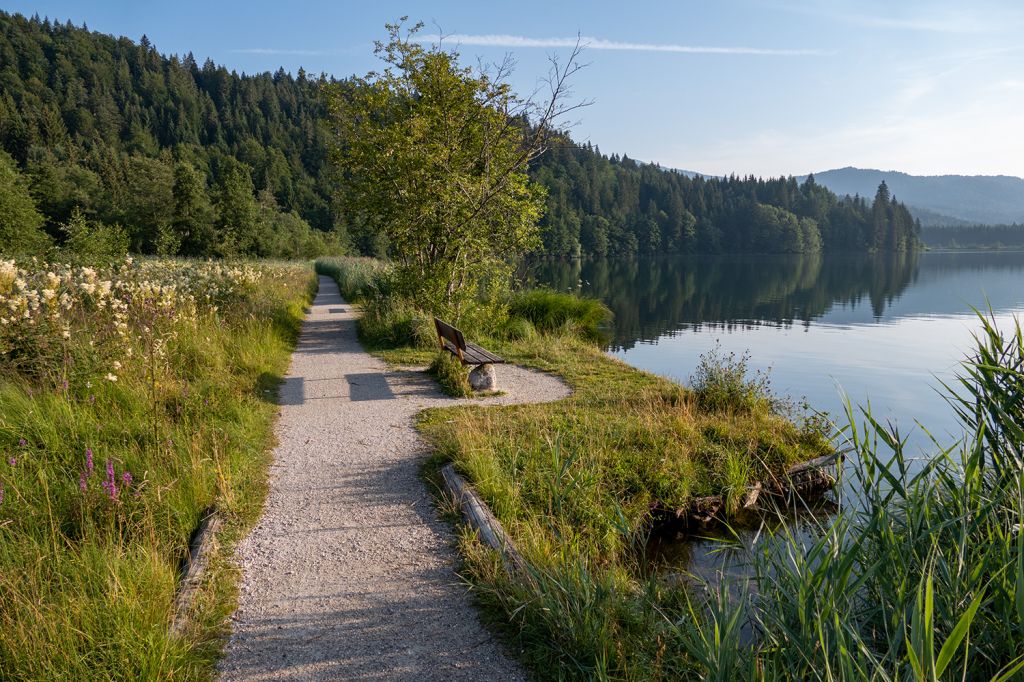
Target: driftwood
{"type": "Point", "coordinates": [479, 516]}
{"type": "Point", "coordinates": [196, 562]}
{"type": "Point", "coordinates": [805, 481]}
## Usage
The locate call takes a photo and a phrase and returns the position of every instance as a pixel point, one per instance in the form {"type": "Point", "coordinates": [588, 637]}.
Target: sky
{"type": "Point", "coordinates": [764, 87]}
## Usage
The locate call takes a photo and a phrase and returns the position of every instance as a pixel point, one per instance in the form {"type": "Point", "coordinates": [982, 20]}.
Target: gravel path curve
{"type": "Point", "coordinates": [349, 574]}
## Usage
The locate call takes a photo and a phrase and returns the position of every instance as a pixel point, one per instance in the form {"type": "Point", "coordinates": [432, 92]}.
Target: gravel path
{"type": "Point", "coordinates": [350, 574]}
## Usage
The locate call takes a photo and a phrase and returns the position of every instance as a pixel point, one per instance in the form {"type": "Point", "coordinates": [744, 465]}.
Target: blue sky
{"type": "Point", "coordinates": [765, 87]}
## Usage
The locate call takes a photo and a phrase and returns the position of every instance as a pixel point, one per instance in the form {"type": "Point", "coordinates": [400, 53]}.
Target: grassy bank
{"type": "Point", "coordinates": [573, 481]}
{"type": "Point", "coordinates": [132, 397]}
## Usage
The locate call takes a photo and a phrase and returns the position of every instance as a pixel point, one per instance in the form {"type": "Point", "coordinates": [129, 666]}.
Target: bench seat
{"type": "Point", "coordinates": [455, 343]}
{"type": "Point", "coordinates": [474, 354]}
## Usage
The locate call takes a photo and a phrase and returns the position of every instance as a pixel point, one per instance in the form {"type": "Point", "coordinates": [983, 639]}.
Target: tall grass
{"type": "Point", "coordinates": [922, 576]}
{"type": "Point", "coordinates": [113, 445]}
{"type": "Point", "coordinates": [551, 311]}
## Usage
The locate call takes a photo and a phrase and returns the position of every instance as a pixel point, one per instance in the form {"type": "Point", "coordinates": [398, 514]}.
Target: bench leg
{"type": "Point", "coordinates": [483, 378]}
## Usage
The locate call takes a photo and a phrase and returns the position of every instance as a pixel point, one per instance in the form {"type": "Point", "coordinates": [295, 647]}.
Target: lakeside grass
{"type": "Point", "coordinates": [919, 576]}
{"type": "Point", "coordinates": [124, 414]}
{"type": "Point", "coordinates": [573, 483]}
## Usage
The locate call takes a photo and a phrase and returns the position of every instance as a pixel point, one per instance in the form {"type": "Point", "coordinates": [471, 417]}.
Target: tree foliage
{"type": "Point", "coordinates": [103, 125]}
{"type": "Point", "coordinates": [610, 205]}
{"type": "Point", "coordinates": [433, 156]}
{"type": "Point", "coordinates": [20, 222]}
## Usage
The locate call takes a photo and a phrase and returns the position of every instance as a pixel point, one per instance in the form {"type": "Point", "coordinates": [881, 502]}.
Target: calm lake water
{"type": "Point", "coordinates": [886, 329]}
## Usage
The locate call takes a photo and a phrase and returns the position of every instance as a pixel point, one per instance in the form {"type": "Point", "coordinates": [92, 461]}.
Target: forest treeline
{"type": "Point", "coordinates": [610, 205]}
{"type": "Point", "coordinates": [176, 157]}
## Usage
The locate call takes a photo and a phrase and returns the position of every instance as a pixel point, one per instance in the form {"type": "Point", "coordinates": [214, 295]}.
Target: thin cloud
{"type": "Point", "coordinates": [591, 43]}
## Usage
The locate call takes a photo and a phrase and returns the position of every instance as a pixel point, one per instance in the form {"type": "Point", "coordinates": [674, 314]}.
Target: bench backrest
{"type": "Point", "coordinates": [446, 331]}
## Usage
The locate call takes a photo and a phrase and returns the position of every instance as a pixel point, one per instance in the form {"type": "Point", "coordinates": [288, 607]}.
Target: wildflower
{"type": "Point", "coordinates": [1, 493]}
{"type": "Point", "coordinates": [111, 377]}
{"type": "Point", "coordinates": [110, 485]}
{"type": "Point", "coordinates": [126, 478]}
{"type": "Point", "coordinates": [13, 461]}
{"type": "Point", "coordinates": [22, 442]}
{"type": "Point", "coordinates": [88, 460]}
{"type": "Point", "coordinates": [92, 399]}
{"type": "Point", "coordinates": [82, 485]}
{"type": "Point", "coordinates": [117, 365]}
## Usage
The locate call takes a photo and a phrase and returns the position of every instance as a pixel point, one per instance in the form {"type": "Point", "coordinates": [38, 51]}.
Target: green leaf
{"type": "Point", "coordinates": [952, 642]}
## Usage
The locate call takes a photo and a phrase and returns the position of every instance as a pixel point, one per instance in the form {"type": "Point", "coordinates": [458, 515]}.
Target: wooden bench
{"type": "Point", "coordinates": [482, 378]}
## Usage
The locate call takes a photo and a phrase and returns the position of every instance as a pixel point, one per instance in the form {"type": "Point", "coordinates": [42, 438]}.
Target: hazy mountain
{"type": "Point", "coordinates": [938, 199]}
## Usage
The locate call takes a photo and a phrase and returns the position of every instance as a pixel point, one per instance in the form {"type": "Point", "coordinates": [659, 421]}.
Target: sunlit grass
{"type": "Point", "coordinates": [88, 573]}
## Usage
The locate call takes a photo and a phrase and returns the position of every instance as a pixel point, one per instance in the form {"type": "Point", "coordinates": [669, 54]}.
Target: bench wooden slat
{"type": "Point", "coordinates": [484, 353]}
{"type": "Point", "coordinates": [452, 340]}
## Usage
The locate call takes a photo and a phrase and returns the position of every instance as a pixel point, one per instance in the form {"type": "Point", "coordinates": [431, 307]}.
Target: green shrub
{"type": "Point", "coordinates": [721, 383]}
{"type": "Point", "coordinates": [452, 376]}
{"type": "Point", "coordinates": [94, 242]}
{"type": "Point", "coordinates": [551, 311]}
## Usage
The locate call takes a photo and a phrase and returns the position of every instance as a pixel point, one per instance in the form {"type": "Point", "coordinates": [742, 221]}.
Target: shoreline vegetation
{"type": "Point", "coordinates": [133, 397]}
{"type": "Point", "coordinates": [918, 575]}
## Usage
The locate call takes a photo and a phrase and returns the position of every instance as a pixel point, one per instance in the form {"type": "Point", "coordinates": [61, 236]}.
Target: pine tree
{"type": "Point", "coordinates": [20, 222]}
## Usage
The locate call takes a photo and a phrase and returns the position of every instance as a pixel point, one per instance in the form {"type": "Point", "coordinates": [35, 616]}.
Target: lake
{"type": "Point", "coordinates": [884, 328]}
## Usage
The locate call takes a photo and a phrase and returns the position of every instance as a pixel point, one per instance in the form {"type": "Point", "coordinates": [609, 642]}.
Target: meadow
{"type": "Point", "coordinates": [134, 397]}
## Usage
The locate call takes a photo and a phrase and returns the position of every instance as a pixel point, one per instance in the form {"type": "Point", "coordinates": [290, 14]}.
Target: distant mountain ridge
{"type": "Point", "coordinates": [937, 199]}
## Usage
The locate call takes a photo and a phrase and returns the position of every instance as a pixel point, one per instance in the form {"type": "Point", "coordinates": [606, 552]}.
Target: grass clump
{"type": "Point", "coordinates": [551, 311]}
{"type": "Point", "coordinates": [451, 375]}
{"type": "Point", "coordinates": [132, 397]}
{"type": "Point", "coordinates": [722, 382]}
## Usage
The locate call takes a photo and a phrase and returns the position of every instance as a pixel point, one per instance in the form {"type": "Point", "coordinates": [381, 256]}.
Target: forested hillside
{"type": "Point", "coordinates": [198, 160]}
{"type": "Point", "coordinates": [189, 158]}
{"type": "Point", "coordinates": [617, 206]}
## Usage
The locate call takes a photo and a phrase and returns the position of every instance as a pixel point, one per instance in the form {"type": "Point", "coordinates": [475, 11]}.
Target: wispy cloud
{"type": "Point", "coordinates": [591, 43]}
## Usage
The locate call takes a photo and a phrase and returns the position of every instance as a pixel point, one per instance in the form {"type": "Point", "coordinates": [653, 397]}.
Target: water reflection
{"type": "Point", "coordinates": [655, 297]}
{"type": "Point", "coordinates": [886, 329]}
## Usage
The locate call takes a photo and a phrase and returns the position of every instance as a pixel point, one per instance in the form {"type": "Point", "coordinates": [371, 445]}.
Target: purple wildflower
{"type": "Point", "coordinates": [1, 493]}
{"type": "Point", "coordinates": [22, 442]}
{"type": "Point", "coordinates": [88, 461]}
{"type": "Point", "coordinates": [92, 399]}
{"type": "Point", "coordinates": [110, 485]}
{"type": "Point", "coordinates": [12, 461]}
{"type": "Point", "coordinates": [65, 384]}
{"type": "Point", "coordinates": [126, 478]}
{"type": "Point", "coordinates": [82, 485]}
